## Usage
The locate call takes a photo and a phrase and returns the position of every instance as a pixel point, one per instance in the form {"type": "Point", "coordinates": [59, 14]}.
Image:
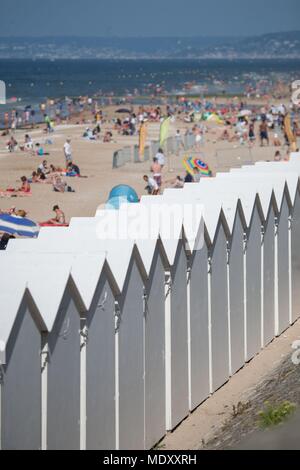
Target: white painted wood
{"type": "Point", "coordinates": [168, 352]}
{"type": "Point", "coordinates": [189, 338]}
{"type": "Point", "coordinates": [1, 385]}
{"type": "Point", "coordinates": [44, 398]}
{"type": "Point", "coordinates": [276, 281]}
{"type": "Point", "coordinates": [209, 328]}
{"type": "Point", "coordinates": [117, 394]}
{"type": "Point", "coordinates": [83, 342]}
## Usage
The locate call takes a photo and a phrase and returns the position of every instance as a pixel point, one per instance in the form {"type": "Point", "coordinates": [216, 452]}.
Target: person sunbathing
{"type": "Point", "coordinates": [21, 213]}
{"type": "Point", "coordinates": [34, 178]}
{"type": "Point", "coordinates": [59, 218]}
{"type": "Point", "coordinates": [74, 170]}
{"type": "Point", "coordinates": [40, 152]}
{"type": "Point", "coordinates": [60, 186]}
{"type": "Point", "coordinates": [176, 183]}
{"type": "Point", "coordinates": [23, 190]}
{"type": "Point", "coordinates": [107, 137]}
{"type": "Point", "coordinates": [25, 187]}
{"type": "Point", "coordinates": [39, 177]}
{"type": "Point", "coordinates": [97, 131]}
{"type": "Point", "coordinates": [11, 211]}
{"type": "Point", "coordinates": [88, 134]}
{"type": "Point", "coordinates": [55, 171]}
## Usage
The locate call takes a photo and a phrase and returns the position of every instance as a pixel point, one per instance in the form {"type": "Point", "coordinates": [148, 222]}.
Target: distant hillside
{"type": "Point", "coordinates": [269, 46]}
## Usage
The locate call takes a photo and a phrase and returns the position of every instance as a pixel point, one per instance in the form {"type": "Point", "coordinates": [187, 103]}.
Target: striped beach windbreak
{"type": "Point", "coordinates": [20, 226]}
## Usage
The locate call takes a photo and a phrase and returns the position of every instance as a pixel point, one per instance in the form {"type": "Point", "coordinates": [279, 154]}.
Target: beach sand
{"type": "Point", "coordinates": [94, 159]}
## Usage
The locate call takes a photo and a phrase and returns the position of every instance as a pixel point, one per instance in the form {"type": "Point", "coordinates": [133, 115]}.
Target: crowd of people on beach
{"type": "Point", "coordinates": [234, 122]}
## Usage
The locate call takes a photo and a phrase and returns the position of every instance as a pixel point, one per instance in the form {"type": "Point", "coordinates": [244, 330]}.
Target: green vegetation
{"type": "Point", "coordinates": [274, 415]}
{"type": "Point", "coordinates": [159, 446]}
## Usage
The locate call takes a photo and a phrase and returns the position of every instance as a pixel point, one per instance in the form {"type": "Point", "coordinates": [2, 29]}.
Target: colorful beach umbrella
{"type": "Point", "coordinates": [190, 163]}
{"type": "Point", "coordinates": [202, 167]}
{"type": "Point", "coordinates": [20, 226]}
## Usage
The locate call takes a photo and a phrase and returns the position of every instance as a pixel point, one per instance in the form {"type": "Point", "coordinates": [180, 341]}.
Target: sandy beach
{"type": "Point", "coordinates": [94, 159]}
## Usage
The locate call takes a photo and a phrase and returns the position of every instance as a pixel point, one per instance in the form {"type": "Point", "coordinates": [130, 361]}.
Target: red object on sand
{"type": "Point", "coordinates": [45, 224]}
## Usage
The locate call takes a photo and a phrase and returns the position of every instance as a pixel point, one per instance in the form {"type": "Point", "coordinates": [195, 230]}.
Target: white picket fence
{"type": "Point", "coordinates": [108, 342]}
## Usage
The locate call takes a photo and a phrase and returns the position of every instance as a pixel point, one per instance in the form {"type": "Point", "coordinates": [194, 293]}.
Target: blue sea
{"type": "Point", "coordinates": [31, 82]}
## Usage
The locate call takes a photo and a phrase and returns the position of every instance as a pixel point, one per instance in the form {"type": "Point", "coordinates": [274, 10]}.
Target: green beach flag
{"type": "Point", "coordinates": [164, 130]}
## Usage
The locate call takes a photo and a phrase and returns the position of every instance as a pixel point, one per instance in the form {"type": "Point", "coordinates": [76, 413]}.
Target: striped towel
{"type": "Point", "coordinates": [20, 226]}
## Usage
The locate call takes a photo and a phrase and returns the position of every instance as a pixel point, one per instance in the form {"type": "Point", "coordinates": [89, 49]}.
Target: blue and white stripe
{"type": "Point", "coordinates": [20, 226]}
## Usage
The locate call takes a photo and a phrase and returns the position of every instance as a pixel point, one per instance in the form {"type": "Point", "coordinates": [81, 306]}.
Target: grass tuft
{"type": "Point", "coordinates": [274, 415]}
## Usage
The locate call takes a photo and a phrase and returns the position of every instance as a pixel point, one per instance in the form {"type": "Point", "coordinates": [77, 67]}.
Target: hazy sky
{"type": "Point", "coordinates": [147, 17]}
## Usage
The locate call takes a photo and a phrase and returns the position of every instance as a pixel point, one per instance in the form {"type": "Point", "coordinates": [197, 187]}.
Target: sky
{"type": "Point", "coordinates": [127, 18]}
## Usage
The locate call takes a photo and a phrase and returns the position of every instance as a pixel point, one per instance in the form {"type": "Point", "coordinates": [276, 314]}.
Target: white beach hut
{"type": "Point", "coordinates": [91, 276]}
{"type": "Point", "coordinates": [295, 257]}
{"type": "Point", "coordinates": [161, 219]}
{"type": "Point", "coordinates": [176, 310]}
{"type": "Point", "coordinates": [216, 350]}
{"type": "Point", "coordinates": [98, 289]}
{"type": "Point", "coordinates": [235, 218]}
{"type": "Point", "coordinates": [60, 367]}
{"type": "Point", "coordinates": [83, 232]}
{"type": "Point", "coordinates": [252, 261]}
{"type": "Point", "coordinates": [285, 190]}
{"type": "Point", "coordinates": [155, 262]}
{"type": "Point", "coordinates": [128, 271]}
{"type": "Point", "coordinates": [21, 327]}
{"type": "Point", "coordinates": [284, 168]}
{"type": "Point", "coordinates": [269, 209]}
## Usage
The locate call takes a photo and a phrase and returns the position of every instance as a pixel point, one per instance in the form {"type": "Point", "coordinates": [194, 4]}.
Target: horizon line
{"type": "Point", "coordinates": [69, 36]}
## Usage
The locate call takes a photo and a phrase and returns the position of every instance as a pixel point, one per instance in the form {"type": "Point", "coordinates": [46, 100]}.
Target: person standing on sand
{"type": "Point", "coordinates": [48, 123]}
{"type": "Point", "coordinates": [264, 134]}
{"type": "Point", "coordinates": [160, 157]}
{"type": "Point", "coordinates": [156, 170]}
{"type": "Point", "coordinates": [6, 121]}
{"type": "Point", "coordinates": [68, 151]}
{"type": "Point", "coordinates": [179, 142]}
{"type": "Point", "coordinates": [251, 134]}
